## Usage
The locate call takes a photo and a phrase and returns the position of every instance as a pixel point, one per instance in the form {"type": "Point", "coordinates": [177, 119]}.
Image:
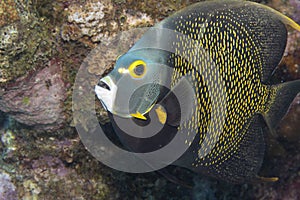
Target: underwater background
{"type": "Point", "coordinates": [43, 44]}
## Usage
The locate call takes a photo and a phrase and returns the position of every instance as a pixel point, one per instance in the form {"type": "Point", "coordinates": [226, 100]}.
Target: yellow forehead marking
{"type": "Point", "coordinates": [123, 70]}
{"type": "Point", "coordinates": [161, 114]}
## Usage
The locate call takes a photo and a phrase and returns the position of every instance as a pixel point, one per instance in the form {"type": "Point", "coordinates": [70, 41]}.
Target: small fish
{"type": "Point", "coordinates": [220, 56]}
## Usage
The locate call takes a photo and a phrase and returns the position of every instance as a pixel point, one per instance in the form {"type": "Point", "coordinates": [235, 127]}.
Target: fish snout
{"type": "Point", "coordinates": [106, 92]}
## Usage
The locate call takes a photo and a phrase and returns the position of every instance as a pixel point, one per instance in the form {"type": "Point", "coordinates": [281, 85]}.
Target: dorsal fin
{"type": "Point", "coordinates": [286, 20]}
{"type": "Point", "coordinates": [267, 28]}
{"type": "Point", "coordinates": [264, 26]}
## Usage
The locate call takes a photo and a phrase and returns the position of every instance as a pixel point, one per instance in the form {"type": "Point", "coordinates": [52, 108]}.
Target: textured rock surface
{"type": "Point", "coordinates": [95, 22]}
{"type": "Point", "coordinates": [8, 12]}
{"type": "Point", "coordinates": [25, 40]}
{"type": "Point", "coordinates": [86, 20]}
{"type": "Point", "coordinates": [36, 100]}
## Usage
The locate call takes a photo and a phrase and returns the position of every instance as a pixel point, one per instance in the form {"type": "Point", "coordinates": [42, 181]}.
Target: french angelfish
{"type": "Point", "coordinates": [220, 56]}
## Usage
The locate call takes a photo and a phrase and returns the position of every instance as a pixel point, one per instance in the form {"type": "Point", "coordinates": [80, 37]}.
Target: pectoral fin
{"type": "Point", "coordinates": [161, 114]}
{"type": "Point", "coordinates": [138, 116]}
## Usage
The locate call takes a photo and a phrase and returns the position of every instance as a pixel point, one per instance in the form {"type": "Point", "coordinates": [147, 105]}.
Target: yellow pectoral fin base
{"type": "Point", "coordinates": [161, 114]}
{"type": "Point", "coordinates": [138, 115]}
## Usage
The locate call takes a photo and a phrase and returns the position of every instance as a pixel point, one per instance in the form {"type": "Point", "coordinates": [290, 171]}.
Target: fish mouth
{"type": "Point", "coordinates": [106, 92]}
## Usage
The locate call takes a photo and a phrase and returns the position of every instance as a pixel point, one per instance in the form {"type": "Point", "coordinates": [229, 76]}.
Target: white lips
{"type": "Point", "coordinates": [107, 97]}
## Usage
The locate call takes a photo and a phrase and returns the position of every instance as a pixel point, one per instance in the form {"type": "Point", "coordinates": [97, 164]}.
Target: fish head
{"type": "Point", "coordinates": [132, 88]}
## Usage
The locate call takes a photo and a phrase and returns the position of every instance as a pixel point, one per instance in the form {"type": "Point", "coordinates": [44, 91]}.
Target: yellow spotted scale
{"type": "Point", "coordinates": [235, 44]}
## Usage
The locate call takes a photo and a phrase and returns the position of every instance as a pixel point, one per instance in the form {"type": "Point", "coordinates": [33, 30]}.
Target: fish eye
{"type": "Point", "coordinates": [137, 69]}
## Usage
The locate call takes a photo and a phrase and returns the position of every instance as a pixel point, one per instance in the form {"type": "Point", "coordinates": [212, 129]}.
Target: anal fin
{"type": "Point", "coordinates": [244, 164]}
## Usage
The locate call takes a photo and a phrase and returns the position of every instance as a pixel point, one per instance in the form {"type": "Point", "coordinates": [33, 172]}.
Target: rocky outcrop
{"type": "Point", "coordinates": [36, 99]}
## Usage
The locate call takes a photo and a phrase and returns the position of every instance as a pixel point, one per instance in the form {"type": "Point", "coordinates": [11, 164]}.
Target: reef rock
{"type": "Point", "coordinates": [36, 99]}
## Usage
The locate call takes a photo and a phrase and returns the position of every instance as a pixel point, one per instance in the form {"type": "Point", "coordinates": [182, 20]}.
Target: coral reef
{"type": "Point", "coordinates": [86, 20]}
{"type": "Point", "coordinates": [10, 47]}
{"type": "Point", "coordinates": [25, 40]}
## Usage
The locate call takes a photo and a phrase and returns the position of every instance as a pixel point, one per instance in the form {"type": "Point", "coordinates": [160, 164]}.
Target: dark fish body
{"type": "Point", "coordinates": [244, 42]}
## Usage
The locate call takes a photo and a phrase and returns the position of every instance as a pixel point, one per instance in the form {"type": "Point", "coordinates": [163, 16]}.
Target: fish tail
{"type": "Point", "coordinates": [281, 97]}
